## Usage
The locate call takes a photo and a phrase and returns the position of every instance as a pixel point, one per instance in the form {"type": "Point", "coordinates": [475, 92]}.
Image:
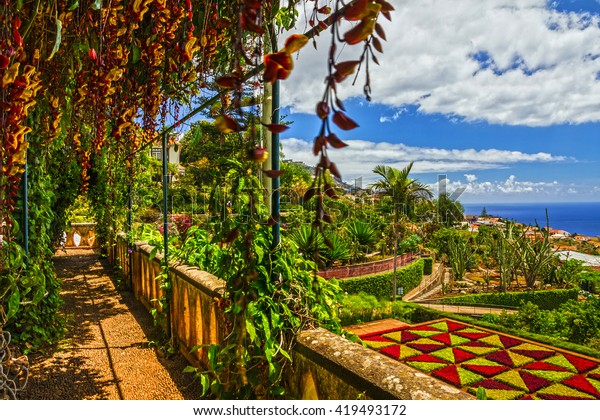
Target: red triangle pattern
{"type": "Point", "coordinates": [535, 354]}
{"type": "Point", "coordinates": [581, 364]}
{"type": "Point", "coordinates": [509, 342]}
{"type": "Point", "coordinates": [454, 326]}
{"type": "Point", "coordinates": [462, 356]}
{"type": "Point", "coordinates": [442, 338]}
{"type": "Point", "coordinates": [581, 383]}
{"type": "Point", "coordinates": [544, 366]}
{"type": "Point", "coordinates": [487, 371]}
{"type": "Point", "coordinates": [493, 384]}
{"type": "Point", "coordinates": [426, 348]}
{"type": "Point", "coordinates": [449, 373]}
{"type": "Point", "coordinates": [501, 356]}
{"type": "Point", "coordinates": [427, 358]}
{"type": "Point", "coordinates": [534, 383]}
{"type": "Point", "coordinates": [392, 351]}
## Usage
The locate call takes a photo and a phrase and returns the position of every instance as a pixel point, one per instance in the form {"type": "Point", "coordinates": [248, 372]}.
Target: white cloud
{"type": "Point", "coordinates": [509, 188]}
{"type": "Point", "coordinates": [502, 61]}
{"type": "Point", "coordinates": [361, 156]}
{"type": "Point", "coordinates": [471, 177]}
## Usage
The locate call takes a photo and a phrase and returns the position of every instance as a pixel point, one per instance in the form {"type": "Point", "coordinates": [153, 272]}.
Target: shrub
{"type": "Point", "coordinates": [380, 285]}
{"type": "Point", "coordinates": [427, 266]}
{"type": "Point", "coordinates": [544, 299]}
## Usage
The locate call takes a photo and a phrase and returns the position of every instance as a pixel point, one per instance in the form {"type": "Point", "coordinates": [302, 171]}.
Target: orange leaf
{"type": "Point", "coordinates": [343, 121]}
{"type": "Point", "coordinates": [334, 170]}
{"type": "Point", "coordinates": [228, 82]}
{"type": "Point", "coordinates": [227, 125]}
{"type": "Point", "coordinates": [294, 43]}
{"type": "Point", "coordinates": [362, 9]}
{"type": "Point", "coordinates": [346, 68]}
{"type": "Point", "coordinates": [277, 66]}
{"type": "Point", "coordinates": [360, 32]}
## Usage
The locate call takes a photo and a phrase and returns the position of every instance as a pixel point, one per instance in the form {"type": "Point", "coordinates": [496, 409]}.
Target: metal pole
{"type": "Point", "coordinates": [165, 158]}
{"type": "Point", "coordinates": [276, 194]}
{"type": "Point", "coordinates": [130, 228]}
{"type": "Point", "coordinates": [26, 211]}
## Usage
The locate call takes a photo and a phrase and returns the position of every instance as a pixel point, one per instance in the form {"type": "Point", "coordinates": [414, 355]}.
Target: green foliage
{"type": "Point", "coordinates": [545, 299]}
{"type": "Point", "coordinates": [460, 256]}
{"type": "Point", "coordinates": [337, 250]}
{"type": "Point", "coordinates": [427, 266]}
{"type": "Point", "coordinates": [573, 321]}
{"type": "Point", "coordinates": [409, 244]}
{"type": "Point", "coordinates": [270, 296]}
{"type": "Point", "coordinates": [362, 307]}
{"type": "Point", "coordinates": [380, 285]}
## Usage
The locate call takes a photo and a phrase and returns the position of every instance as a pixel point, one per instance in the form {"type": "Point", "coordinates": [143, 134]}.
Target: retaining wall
{"type": "Point", "coordinates": [325, 365]}
{"type": "Point", "coordinates": [359, 270]}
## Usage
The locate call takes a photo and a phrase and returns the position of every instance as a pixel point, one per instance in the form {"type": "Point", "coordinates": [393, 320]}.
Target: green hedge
{"type": "Point", "coordinates": [380, 285]}
{"type": "Point", "coordinates": [427, 266]}
{"type": "Point", "coordinates": [544, 299]}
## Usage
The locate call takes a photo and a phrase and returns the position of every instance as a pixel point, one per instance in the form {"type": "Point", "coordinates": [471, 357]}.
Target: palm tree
{"type": "Point", "coordinates": [405, 194]}
{"type": "Point", "coordinates": [404, 191]}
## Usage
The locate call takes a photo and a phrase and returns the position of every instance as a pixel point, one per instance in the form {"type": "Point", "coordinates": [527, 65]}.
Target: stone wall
{"type": "Point", "coordinates": [325, 365]}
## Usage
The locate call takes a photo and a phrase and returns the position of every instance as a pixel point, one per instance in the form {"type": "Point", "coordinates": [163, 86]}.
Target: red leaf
{"type": "Point", "coordinates": [318, 144]}
{"type": "Point", "coordinates": [276, 128]}
{"type": "Point", "coordinates": [273, 173]}
{"type": "Point", "coordinates": [322, 110]}
{"type": "Point", "coordinates": [92, 54]}
{"type": "Point", "coordinates": [334, 170]}
{"type": "Point", "coordinates": [330, 192]}
{"type": "Point", "coordinates": [310, 193]}
{"type": "Point", "coordinates": [380, 31]}
{"type": "Point", "coordinates": [335, 142]}
{"type": "Point", "coordinates": [343, 121]}
{"type": "Point", "coordinates": [385, 6]}
{"type": "Point", "coordinates": [377, 44]}
{"type": "Point", "coordinates": [4, 62]}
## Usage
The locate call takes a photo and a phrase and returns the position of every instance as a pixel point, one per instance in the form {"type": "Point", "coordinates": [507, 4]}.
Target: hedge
{"type": "Point", "coordinates": [427, 266]}
{"type": "Point", "coordinates": [544, 299]}
{"type": "Point", "coordinates": [380, 285]}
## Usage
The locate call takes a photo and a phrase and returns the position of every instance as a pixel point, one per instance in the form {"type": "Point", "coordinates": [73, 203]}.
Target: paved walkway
{"type": "Point", "coordinates": [106, 353]}
{"type": "Point", "coordinates": [466, 310]}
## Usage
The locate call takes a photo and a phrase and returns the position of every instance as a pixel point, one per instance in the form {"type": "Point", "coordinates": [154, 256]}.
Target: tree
{"type": "Point", "coordinates": [450, 212]}
{"type": "Point", "coordinates": [404, 191]}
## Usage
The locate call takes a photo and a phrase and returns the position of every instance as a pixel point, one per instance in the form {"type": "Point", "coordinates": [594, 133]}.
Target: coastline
{"type": "Point", "coordinates": [581, 218]}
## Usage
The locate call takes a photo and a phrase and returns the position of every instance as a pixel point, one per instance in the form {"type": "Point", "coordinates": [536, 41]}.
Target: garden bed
{"type": "Point", "coordinates": [506, 367]}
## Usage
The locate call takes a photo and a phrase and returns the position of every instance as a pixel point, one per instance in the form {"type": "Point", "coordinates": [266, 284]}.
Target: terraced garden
{"type": "Point", "coordinates": [506, 367]}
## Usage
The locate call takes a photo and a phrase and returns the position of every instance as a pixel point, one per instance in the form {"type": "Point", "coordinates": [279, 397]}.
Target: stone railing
{"type": "Point", "coordinates": [81, 235]}
{"type": "Point", "coordinates": [359, 270]}
{"type": "Point", "coordinates": [325, 365]}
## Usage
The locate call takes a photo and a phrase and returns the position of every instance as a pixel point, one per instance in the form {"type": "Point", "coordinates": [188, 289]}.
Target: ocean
{"type": "Point", "coordinates": [580, 218]}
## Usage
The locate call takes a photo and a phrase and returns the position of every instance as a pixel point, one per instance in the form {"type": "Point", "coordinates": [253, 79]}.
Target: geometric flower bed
{"type": "Point", "coordinates": [506, 367]}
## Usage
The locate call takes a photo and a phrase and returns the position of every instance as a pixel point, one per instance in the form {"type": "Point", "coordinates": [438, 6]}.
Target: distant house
{"type": "Point", "coordinates": [173, 154]}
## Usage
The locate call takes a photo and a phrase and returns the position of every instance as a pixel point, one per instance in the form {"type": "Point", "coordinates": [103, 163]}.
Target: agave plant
{"type": "Point", "coordinates": [361, 232]}
{"type": "Point", "coordinates": [336, 250]}
{"type": "Point", "coordinates": [309, 241]}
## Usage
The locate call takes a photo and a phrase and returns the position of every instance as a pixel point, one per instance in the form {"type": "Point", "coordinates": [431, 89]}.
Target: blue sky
{"type": "Point", "coordinates": [502, 96]}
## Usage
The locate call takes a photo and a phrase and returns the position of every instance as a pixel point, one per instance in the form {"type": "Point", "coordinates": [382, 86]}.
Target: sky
{"type": "Point", "coordinates": [500, 96]}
